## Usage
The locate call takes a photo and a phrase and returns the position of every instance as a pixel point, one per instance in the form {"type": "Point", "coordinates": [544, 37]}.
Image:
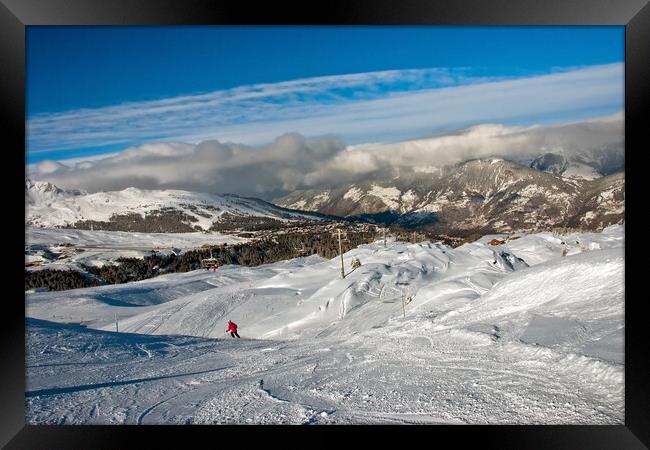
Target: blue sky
{"type": "Point", "coordinates": [93, 90]}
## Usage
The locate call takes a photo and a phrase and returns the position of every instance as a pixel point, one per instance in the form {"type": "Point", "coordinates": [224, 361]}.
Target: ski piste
{"type": "Point", "coordinates": [535, 338]}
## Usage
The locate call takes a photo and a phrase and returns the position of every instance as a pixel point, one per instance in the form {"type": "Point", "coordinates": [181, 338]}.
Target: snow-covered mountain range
{"type": "Point", "coordinates": [489, 195]}
{"type": "Point", "coordinates": [483, 195]}
{"type": "Point", "coordinates": [146, 210]}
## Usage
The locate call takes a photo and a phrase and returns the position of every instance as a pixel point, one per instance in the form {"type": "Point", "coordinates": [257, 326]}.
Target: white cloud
{"type": "Point", "coordinates": [359, 107]}
{"type": "Point", "coordinates": [292, 161]}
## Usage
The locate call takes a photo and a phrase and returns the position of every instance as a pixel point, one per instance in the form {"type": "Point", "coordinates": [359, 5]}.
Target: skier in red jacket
{"type": "Point", "coordinates": [232, 328]}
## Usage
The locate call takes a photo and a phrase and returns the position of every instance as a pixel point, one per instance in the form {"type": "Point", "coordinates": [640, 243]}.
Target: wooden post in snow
{"type": "Point", "coordinates": [384, 236]}
{"type": "Point", "coordinates": [403, 307]}
{"type": "Point", "coordinates": [117, 330]}
{"type": "Point", "coordinates": [341, 253]}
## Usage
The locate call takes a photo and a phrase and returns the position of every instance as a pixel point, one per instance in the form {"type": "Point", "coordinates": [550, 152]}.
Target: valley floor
{"type": "Point", "coordinates": [508, 334]}
{"type": "Point", "coordinates": [67, 248]}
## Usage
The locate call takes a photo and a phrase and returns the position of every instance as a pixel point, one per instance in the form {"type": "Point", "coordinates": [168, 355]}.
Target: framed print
{"type": "Point", "coordinates": [367, 218]}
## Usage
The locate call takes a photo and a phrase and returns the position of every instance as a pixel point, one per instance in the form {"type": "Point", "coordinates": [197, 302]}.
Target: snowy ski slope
{"type": "Point", "coordinates": [512, 333]}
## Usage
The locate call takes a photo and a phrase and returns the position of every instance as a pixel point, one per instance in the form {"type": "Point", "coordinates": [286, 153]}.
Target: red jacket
{"type": "Point", "coordinates": [232, 327]}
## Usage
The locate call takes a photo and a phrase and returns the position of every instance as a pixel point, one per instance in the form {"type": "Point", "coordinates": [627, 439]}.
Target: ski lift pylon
{"type": "Point", "coordinates": [210, 263]}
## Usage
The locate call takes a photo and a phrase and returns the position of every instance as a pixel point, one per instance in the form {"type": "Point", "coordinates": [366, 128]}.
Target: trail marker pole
{"type": "Point", "coordinates": [384, 237]}
{"type": "Point", "coordinates": [341, 253]}
{"type": "Point", "coordinates": [403, 307]}
{"type": "Point", "coordinates": [117, 330]}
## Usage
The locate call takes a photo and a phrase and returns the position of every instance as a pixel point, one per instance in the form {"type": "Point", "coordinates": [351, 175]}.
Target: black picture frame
{"type": "Point", "coordinates": [15, 15]}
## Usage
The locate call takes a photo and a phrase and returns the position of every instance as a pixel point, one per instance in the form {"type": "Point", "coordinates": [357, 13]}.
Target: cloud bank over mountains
{"type": "Point", "coordinates": [293, 161]}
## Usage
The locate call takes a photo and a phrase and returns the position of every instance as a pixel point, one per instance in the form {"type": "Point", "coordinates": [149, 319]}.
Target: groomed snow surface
{"type": "Point", "coordinates": [508, 334]}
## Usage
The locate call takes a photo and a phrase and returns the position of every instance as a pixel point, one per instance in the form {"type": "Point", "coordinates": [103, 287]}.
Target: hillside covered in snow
{"type": "Point", "coordinates": [475, 197]}
{"type": "Point", "coordinates": [508, 329]}
{"type": "Point", "coordinates": [150, 211]}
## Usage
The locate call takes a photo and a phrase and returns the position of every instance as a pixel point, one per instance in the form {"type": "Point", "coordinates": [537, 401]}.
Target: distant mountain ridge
{"type": "Point", "coordinates": [478, 196]}
{"type": "Point", "coordinates": [132, 209]}
{"type": "Point", "coordinates": [585, 166]}
{"type": "Point", "coordinates": [482, 195]}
